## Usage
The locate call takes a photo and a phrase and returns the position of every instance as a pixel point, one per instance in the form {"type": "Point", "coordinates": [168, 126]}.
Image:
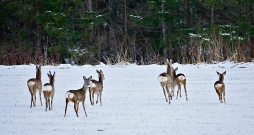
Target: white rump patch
{"type": "Point", "coordinates": [218, 85]}
{"type": "Point", "coordinates": [162, 78]}
{"type": "Point", "coordinates": [181, 77]}
{"type": "Point", "coordinates": [92, 84]}
{"type": "Point", "coordinates": [68, 94]}
{"type": "Point", "coordinates": [31, 83]}
{"type": "Point", "coordinates": [47, 88]}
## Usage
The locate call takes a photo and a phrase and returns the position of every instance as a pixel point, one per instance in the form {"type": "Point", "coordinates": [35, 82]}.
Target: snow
{"type": "Point", "coordinates": [132, 101]}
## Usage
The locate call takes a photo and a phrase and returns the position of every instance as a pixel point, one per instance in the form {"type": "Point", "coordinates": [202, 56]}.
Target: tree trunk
{"type": "Point", "coordinates": [164, 29]}
{"type": "Point", "coordinates": [40, 50]}
{"type": "Point", "coordinates": [125, 47]}
{"type": "Point", "coordinates": [212, 15]}
{"type": "Point", "coordinates": [186, 12]}
{"type": "Point", "coordinates": [90, 8]}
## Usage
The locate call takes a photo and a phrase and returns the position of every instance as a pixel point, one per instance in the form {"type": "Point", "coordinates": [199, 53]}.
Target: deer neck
{"type": "Point", "coordinates": [51, 82]}
{"type": "Point", "coordinates": [221, 78]}
{"type": "Point", "coordinates": [101, 79]}
{"type": "Point", "coordinates": [38, 75]}
{"type": "Point", "coordinates": [169, 70]}
{"type": "Point", "coordinates": [85, 87]}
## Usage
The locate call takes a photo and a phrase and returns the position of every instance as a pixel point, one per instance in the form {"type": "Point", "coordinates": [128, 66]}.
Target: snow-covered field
{"type": "Point", "coordinates": [132, 101]}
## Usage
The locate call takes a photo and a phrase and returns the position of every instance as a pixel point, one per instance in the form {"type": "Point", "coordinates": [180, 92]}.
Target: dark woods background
{"type": "Point", "coordinates": [111, 31]}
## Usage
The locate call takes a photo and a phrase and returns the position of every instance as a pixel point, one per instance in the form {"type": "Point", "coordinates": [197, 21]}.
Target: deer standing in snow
{"type": "Point", "coordinates": [49, 90]}
{"type": "Point", "coordinates": [220, 86]}
{"type": "Point", "coordinates": [166, 80]}
{"type": "Point", "coordinates": [96, 87]}
{"type": "Point", "coordinates": [179, 80]}
{"type": "Point", "coordinates": [77, 96]}
{"type": "Point", "coordinates": [34, 85]}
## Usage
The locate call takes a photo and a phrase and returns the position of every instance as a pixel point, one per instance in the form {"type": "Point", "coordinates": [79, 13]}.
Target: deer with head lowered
{"type": "Point", "coordinates": [179, 79]}
{"type": "Point", "coordinates": [166, 80]}
{"type": "Point", "coordinates": [220, 86]}
{"type": "Point", "coordinates": [96, 87]}
{"type": "Point", "coordinates": [34, 85]}
{"type": "Point", "coordinates": [49, 90]}
{"type": "Point", "coordinates": [77, 96]}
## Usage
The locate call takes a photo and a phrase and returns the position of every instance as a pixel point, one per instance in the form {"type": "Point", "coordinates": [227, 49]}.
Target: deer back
{"type": "Point", "coordinates": [76, 95]}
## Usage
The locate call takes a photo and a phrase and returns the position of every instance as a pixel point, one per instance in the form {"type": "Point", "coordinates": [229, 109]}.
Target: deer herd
{"type": "Point", "coordinates": [168, 80]}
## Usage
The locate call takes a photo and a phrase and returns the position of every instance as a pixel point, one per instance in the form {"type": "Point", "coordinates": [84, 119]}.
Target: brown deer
{"type": "Point", "coordinates": [49, 90]}
{"type": "Point", "coordinates": [179, 80]}
{"type": "Point", "coordinates": [166, 80]}
{"type": "Point", "coordinates": [34, 85]}
{"type": "Point", "coordinates": [77, 96]}
{"type": "Point", "coordinates": [220, 86]}
{"type": "Point", "coordinates": [96, 87]}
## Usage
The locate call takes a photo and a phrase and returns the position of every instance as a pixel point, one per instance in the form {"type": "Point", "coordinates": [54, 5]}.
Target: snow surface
{"type": "Point", "coordinates": [132, 101]}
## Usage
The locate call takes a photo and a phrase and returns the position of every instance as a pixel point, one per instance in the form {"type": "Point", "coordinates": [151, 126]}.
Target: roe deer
{"type": "Point", "coordinates": [166, 81]}
{"type": "Point", "coordinates": [49, 90]}
{"type": "Point", "coordinates": [220, 86]}
{"type": "Point", "coordinates": [77, 96]}
{"type": "Point", "coordinates": [179, 80]}
{"type": "Point", "coordinates": [34, 85]}
{"type": "Point", "coordinates": [96, 87]}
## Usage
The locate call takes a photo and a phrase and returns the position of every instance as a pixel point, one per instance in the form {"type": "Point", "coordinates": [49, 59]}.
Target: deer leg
{"type": "Point", "coordinates": [93, 97]}
{"type": "Point", "coordinates": [49, 103]}
{"type": "Point", "coordinates": [40, 97]}
{"type": "Point", "coordinates": [67, 101]}
{"type": "Point", "coordinates": [34, 99]}
{"type": "Point", "coordinates": [31, 100]}
{"type": "Point", "coordinates": [178, 90]}
{"type": "Point", "coordinates": [173, 90]}
{"type": "Point", "coordinates": [75, 108]}
{"type": "Point", "coordinates": [184, 85]}
{"type": "Point", "coordinates": [164, 93]}
{"type": "Point", "coordinates": [224, 97]}
{"type": "Point", "coordinates": [220, 97]}
{"type": "Point", "coordinates": [46, 104]}
{"type": "Point", "coordinates": [97, 98]}
{"type": "Point", "coordinates": [83, 103]}
{"type": "Point", "coordinates": [100, 97]}
{"type": "Point", "coordinates": [52, 101]}
{"type": "Point", "coordinates": [90, 94]}
{"type": "Point", "coordinates": [169, 95]}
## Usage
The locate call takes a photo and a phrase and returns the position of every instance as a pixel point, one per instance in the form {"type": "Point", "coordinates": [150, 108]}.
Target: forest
{"type": "Point", "coordinates": [52, 32]}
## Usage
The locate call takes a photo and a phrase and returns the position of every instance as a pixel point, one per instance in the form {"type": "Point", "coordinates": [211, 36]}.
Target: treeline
{"type": "Point", "coordinates": [111, 31]}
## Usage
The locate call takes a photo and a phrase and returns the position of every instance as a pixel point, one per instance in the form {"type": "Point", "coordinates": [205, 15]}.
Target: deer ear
{"type": "Point", "coordinates": [171, 61]}
{"type": "Point", "coordinates": [48, 74]}
{"type": "Point", "coordinates": [101, 71]}
{"type": "Point", "coordinates": [90, 78]}
{"type": "Point", "coordinates": [224, 73]}
{"type": "Point", "coordinates": [84, 77]}
{"type": "Point", "coordinates": [218, 73]}
{"type": "Point", "coordinates": [97, 71]}
{"type": "Point", "coordinates": [54, 74]}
